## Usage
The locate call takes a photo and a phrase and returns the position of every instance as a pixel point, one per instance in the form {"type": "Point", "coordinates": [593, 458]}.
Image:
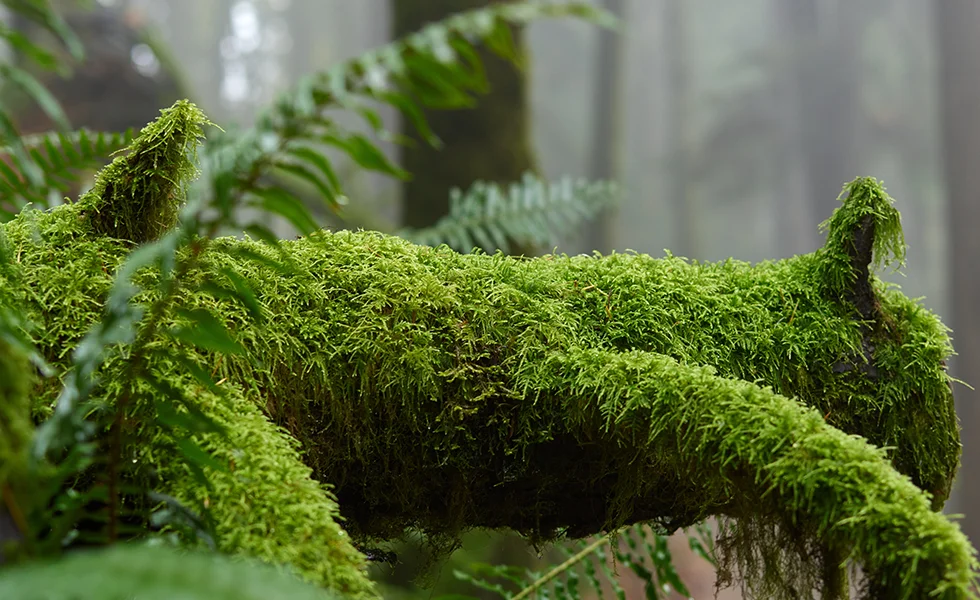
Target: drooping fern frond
{"type": "Point", "coordinates": [127, 571]}
{"type": "Point", "coordinates": [530, 213]}
{"type": "Point", "coordinates": [591, 567]}
{"type": "Point", "coordinates": [437, 67]}
{"type": "Point", "coordinates": [61, 157]}
{"type": "Point", "coordinates": [42, 13]}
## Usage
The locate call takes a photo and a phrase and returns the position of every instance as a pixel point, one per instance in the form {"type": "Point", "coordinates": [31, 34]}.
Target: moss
{"type": "Point", "coordinates": [554, 396]}
{"type": "Point", "coordinates": [266, 504]}
{"type": "Point", "coordinates": [268, 507]}
{"type": "Point", "coordinates": [137, 196]}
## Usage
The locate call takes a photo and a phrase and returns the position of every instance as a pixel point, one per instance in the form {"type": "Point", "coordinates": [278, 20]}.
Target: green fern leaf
{"type": "Point", "coordinates": [127, 571]}
{"type": "Point", "coordinates": [532, 212]}
{"type": "Point", "coordinates": [59, 159]}
{"type": "Point", "coordinates": [437, 67]}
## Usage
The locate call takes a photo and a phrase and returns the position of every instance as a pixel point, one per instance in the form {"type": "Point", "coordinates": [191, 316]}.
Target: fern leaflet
{"type": "Point", "coordinates": [60, 157]}
{"type": "Point", "coordinates": [532, 212]}
{"type": "Point", "coordinates": [590, 568]}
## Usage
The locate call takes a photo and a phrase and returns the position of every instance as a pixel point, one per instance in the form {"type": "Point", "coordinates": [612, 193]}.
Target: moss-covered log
{"type": "Point", "coordinates": [488, 141]}
{"type": "Point", "coordinates": [559, 395]}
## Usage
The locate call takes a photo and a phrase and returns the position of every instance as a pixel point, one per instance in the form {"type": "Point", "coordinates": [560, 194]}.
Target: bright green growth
{"type": "Point", "coordinates": [128, 571]}
{"type": "Point", "coordinates": [15, 380]}
{"type": "Point", "coordinates": [266, 505]}
{"type": "Point", "coordinates": [137, 197]}
{"type": "Point", "coordinates": [15, 424]}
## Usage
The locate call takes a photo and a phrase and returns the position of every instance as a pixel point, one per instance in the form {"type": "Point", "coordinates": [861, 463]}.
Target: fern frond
{"type": "Point", "coordinates": [43, 14]}
{"type": "Point", "coordinates": [125, 571]}
{"type": "Point", "coordinates": [436, 68]}
{"type": "Point", "coordinates": [60, 157]}
{"type": "Point", "coordinates": [533, 212]}
{"type": "Point", "coordinates": [589, 569]}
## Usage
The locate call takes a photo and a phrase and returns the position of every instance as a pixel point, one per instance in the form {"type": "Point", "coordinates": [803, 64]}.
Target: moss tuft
{"type": "Point", "coordinates": [137, 196]}
{"type": "Point", "coordinates": [865, 230]}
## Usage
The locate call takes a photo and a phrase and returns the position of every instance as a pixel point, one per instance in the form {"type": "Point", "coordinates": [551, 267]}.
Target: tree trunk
{"type": "Point", "coordinates": [606, 126]}
{"type": "Point", "coordinates": [795, 230]}
{"type": "Point", "coordinates": [680, 145]}
{"type": "Point", "coordinates": [490, 142]}
{"type": "Point", "coordinates": [826, 90]}
{"type": "Point", "coordinates": [957, 24]}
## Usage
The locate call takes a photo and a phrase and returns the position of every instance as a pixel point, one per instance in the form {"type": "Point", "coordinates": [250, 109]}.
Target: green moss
{"type": "Point", "coordinates": [866, 206]}
{"type": "Point", "coordinates": [266, 504]}
{"type": "Point", "coordinates": [561, 396]}
{"type": "Point", "coordinates": [137, 196]}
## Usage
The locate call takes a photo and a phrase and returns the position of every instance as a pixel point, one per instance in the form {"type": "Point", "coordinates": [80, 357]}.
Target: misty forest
{"type": "Point", "coordinates": [479, 299]}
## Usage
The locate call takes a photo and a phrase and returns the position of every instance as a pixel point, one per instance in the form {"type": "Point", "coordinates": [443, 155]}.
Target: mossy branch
{"type": "Point", "coordinates": [561, 394]}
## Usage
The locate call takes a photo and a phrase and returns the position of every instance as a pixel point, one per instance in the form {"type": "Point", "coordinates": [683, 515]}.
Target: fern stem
{"type": "Point", "coordinates": [559, 569]}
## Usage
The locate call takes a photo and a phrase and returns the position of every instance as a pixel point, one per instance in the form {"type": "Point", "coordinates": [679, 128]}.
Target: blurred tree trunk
{"type": "Point", "coordinates": [680, 145]}
{"type": "Point", "coordinates": [826, 92]}
{"type": "Point", "coordinates": [490, 142]}
{"type": "Point", "coordinates": [606, 126]}
{"type": "Point", "coordinates": [795, 230]}
{"type": "Point", "coordinates": [958, 37]}
{"type": "Point", "coordinates": [196, 29]}
{"type": "Point", "coordinates": [106, 92]}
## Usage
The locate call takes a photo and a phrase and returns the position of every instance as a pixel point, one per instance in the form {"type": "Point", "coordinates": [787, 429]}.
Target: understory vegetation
{"type": "Point", "coordinates": [191, 406]}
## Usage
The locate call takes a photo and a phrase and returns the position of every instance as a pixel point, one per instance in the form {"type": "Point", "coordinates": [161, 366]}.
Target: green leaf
{"type": "Point", "coordinates": [277, 201]}
{"type": "Point", "coordinates": [198, 456]}
{"type": "Point", "coordinates": [303, 172]}
{"type": "Point", "coordinates": [414, 114]}
{"type": "Point", "coordinates": [37, 92]}
{"type": "Point", "coordinates": [320, 162]}
{"type": "Point", "coordinates": [244, 293]}
{"type": "Point", "coordinates": [366, 154]}
{"type": "Point", "coordinates": [206, 332]}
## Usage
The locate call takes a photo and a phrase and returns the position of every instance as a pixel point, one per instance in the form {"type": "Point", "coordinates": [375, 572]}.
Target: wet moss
{"type": "Point", "coordinates": [561, 396]}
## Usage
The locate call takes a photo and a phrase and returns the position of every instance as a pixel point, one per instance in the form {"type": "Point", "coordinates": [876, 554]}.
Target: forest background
{"type": "Point", "coordinates": [731, 127]}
